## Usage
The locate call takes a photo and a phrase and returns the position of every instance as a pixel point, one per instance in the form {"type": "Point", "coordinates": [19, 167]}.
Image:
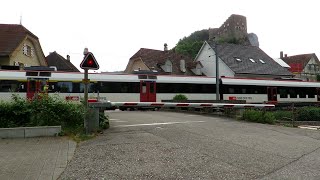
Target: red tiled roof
{"type": "Point", "coordinates": [155, 58]}
{"type": "Point", "coordinates": [11, 35]}
{"type": "Point", "coordinates": [298, 62]}
{"type": "Point", "coordinates": [55, 59]}
{"type": "Point", "coordinates": [301, 58]}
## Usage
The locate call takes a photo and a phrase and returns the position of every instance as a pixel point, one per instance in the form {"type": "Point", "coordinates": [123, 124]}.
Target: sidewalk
{"type": "Point", "coordinates": [35, 158]}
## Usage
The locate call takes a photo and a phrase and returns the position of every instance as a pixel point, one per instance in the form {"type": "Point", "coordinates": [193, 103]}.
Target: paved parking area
{"type": "Point", "coordinates": [35, 158]}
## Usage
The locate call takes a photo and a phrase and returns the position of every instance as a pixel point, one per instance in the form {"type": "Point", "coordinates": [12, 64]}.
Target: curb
{"type": "Point", "coordinates": [27, 132]}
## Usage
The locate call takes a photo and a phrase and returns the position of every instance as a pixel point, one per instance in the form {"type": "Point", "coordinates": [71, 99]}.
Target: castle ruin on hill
{"type": "Point", "coordinates": [234, 29]}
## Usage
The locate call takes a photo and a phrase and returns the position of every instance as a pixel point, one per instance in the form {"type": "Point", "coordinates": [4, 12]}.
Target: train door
{"type": "Point", "coordinates": [35, 86]}
{"type": "Point", "coordinates": [272, 94]}
{"type": "Point", "coordinates": [148, 91]}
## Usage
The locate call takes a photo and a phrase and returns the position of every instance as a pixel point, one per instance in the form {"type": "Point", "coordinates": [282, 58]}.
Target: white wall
{"type": "Point", "coordinates": [208, 59]}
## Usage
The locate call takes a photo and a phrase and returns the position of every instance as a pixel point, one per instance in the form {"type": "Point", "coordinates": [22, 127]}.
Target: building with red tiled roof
{"type": "Point", "coordinates": [304, 66]}
{"type": "Point", "coordinates": [62, 64]}
{"type": "Point", "coordinates": [19, 47]}
{"type": "Point", "coordinates": [164, 62]}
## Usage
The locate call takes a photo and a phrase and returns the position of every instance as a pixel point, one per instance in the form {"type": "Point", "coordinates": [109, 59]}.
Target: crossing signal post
{"type": "Point", "coordinates": [88, 62]}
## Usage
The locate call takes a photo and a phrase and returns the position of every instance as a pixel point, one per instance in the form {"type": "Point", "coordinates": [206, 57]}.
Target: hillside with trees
{"type": "Point", "coordinates": [191, 45]}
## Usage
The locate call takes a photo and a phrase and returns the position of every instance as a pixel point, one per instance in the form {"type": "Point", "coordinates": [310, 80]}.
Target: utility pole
{"type": "Point", "coordinates": [85, 82]}
{"type": "Point", "coordinates": [217, 71]}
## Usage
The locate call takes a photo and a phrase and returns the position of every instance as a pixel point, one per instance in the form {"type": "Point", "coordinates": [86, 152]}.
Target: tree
{"type": "Point", "coordinates": [191, 45]}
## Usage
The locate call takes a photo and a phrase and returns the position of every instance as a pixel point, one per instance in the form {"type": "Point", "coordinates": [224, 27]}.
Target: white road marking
{"type": "Point", "coordinates": [191, 115]}
{"type": "Point", "coordinates": [117, 120]}
{"type": "Point", "coordinates": [156, 124]}
{"type": "Point", "coordinates": [310, 127]}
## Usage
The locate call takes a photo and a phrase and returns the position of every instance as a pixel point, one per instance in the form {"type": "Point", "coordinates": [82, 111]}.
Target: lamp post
{"type": "Point", "coordinates": [217, 72]}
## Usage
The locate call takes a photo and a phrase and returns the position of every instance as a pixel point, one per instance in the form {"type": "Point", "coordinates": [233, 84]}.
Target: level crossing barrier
{"type": "Point", "coordinates": [194, 105]}
{"type": "Point", "coordinates": [113, 105]}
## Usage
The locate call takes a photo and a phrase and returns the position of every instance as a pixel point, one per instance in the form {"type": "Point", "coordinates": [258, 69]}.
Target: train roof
{"type": "Point", "coordinates": [265, 82]}
{"type": "Point", "coordinates": [77, 76]}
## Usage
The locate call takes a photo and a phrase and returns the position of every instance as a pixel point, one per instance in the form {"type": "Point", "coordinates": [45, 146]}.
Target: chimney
{"type": "Point", "coordinates": [68, 58]}
{"type": "Point", "coordinates": [165, 47]}
{"type": "Point", "coordinates": [182, 65]}
{"type": "Point", "coordinates": [281, 54]}
{"type": "Point", "coordinates": [285, 55]}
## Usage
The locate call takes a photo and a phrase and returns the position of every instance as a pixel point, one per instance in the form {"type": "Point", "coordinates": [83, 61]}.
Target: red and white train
{"type": "Point", "coordinates": [155, 88]}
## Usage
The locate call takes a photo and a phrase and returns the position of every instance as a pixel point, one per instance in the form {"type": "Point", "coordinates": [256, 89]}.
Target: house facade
{"type": "Point", "coordinates": [163, 62]}
{"type": "Point", "coordinates": [239, 61]}
{"type": "Point", "coordinates": [19, 47]}
{"type": "Point", "coordinates": [303, 66]}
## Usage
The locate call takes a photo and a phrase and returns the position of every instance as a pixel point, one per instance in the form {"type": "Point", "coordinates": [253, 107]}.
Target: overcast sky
{"type": "Point", "coordinates": [114, 30]}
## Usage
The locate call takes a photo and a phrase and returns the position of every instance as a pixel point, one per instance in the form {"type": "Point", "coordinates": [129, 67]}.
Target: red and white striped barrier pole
{"type": "Point", "coordinates": [199, 105]}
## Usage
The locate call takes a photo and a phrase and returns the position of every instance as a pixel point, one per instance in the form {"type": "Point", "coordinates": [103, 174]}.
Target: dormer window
{"type": "Point", "coordinates": [238, 59]}
{"type": "Point", "coordinates": [252, 60]}
{"type": "Point", "coordinates": [182, 66]}
{"type": "Point", "coordinates": [167, 67]}
{"type": "Point", "coordinates": [262, 61]}
{"type": "Point", "coordinates": [198, 70]}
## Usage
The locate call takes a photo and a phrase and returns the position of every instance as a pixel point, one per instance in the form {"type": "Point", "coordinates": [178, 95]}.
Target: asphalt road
{"type": "Point", "coordinates": [168, 145]}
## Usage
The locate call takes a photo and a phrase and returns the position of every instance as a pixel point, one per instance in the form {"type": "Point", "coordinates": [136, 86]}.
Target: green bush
{"type": "Point", "coordinates": [258, 116]}
{"type": "Point", "coordinates": [44, 111]}
{"type": "Point", "coordinates": [283, 115]}
{"type": "Point", "coordinates": [180, 97]}
{"type": "Point", "coordinates": [308, 114]}
{"type": "Point", "coordinates": [103, 121]}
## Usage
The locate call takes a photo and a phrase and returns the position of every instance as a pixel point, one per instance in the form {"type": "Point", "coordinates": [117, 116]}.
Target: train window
{"type": "Point", "coordinates": [231, 90]}
{"type": "Point", "coordinates": [185, 88]}
{"type": "Point", "coordinates": [10, 86]}
{"type": "Point", "coordinates": [293, 93]}
{"type": "Point", "coordinates": [117, 87]}
{"type": "Point", "coordinates": [144, 87]}
{"type": "Point", "coordinates": [79, 87]}
{"type": "Point", "coordinates": [47, 74]}
{"type": "Point", "coordinates": [151, 88]}
{"type": "Point", "coordinates": [64, 87]}
{"type": "Point", "coordinates": [243, 90]}
{"type": "Point", "coordinates": [283, 93]}
{"type": "Point", "coordinates": [31, 73]}
{"type": "Point", "coordinates": [311, 92]}
{"type": "Point", "coordinates": [142, 76]}
{"type": "Point", "coordinates": [302, 93]}
{"type": "Point", "coordinates": [152, 77]}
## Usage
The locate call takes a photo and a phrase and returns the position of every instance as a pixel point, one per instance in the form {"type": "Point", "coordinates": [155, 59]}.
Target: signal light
{"type": "Point", "coordinates": [89, 62]}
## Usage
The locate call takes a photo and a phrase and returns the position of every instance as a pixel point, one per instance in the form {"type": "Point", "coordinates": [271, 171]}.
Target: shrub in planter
{"type": "Point", "coordinates": [44, 111]}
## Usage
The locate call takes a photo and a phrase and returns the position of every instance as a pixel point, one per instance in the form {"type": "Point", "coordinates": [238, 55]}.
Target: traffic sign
{"type": "Point", "coordinates": [89, 62]}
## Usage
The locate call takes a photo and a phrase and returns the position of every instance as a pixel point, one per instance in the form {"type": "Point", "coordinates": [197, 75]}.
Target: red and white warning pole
{"type": "Point", "coordinates": [195, 105]}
